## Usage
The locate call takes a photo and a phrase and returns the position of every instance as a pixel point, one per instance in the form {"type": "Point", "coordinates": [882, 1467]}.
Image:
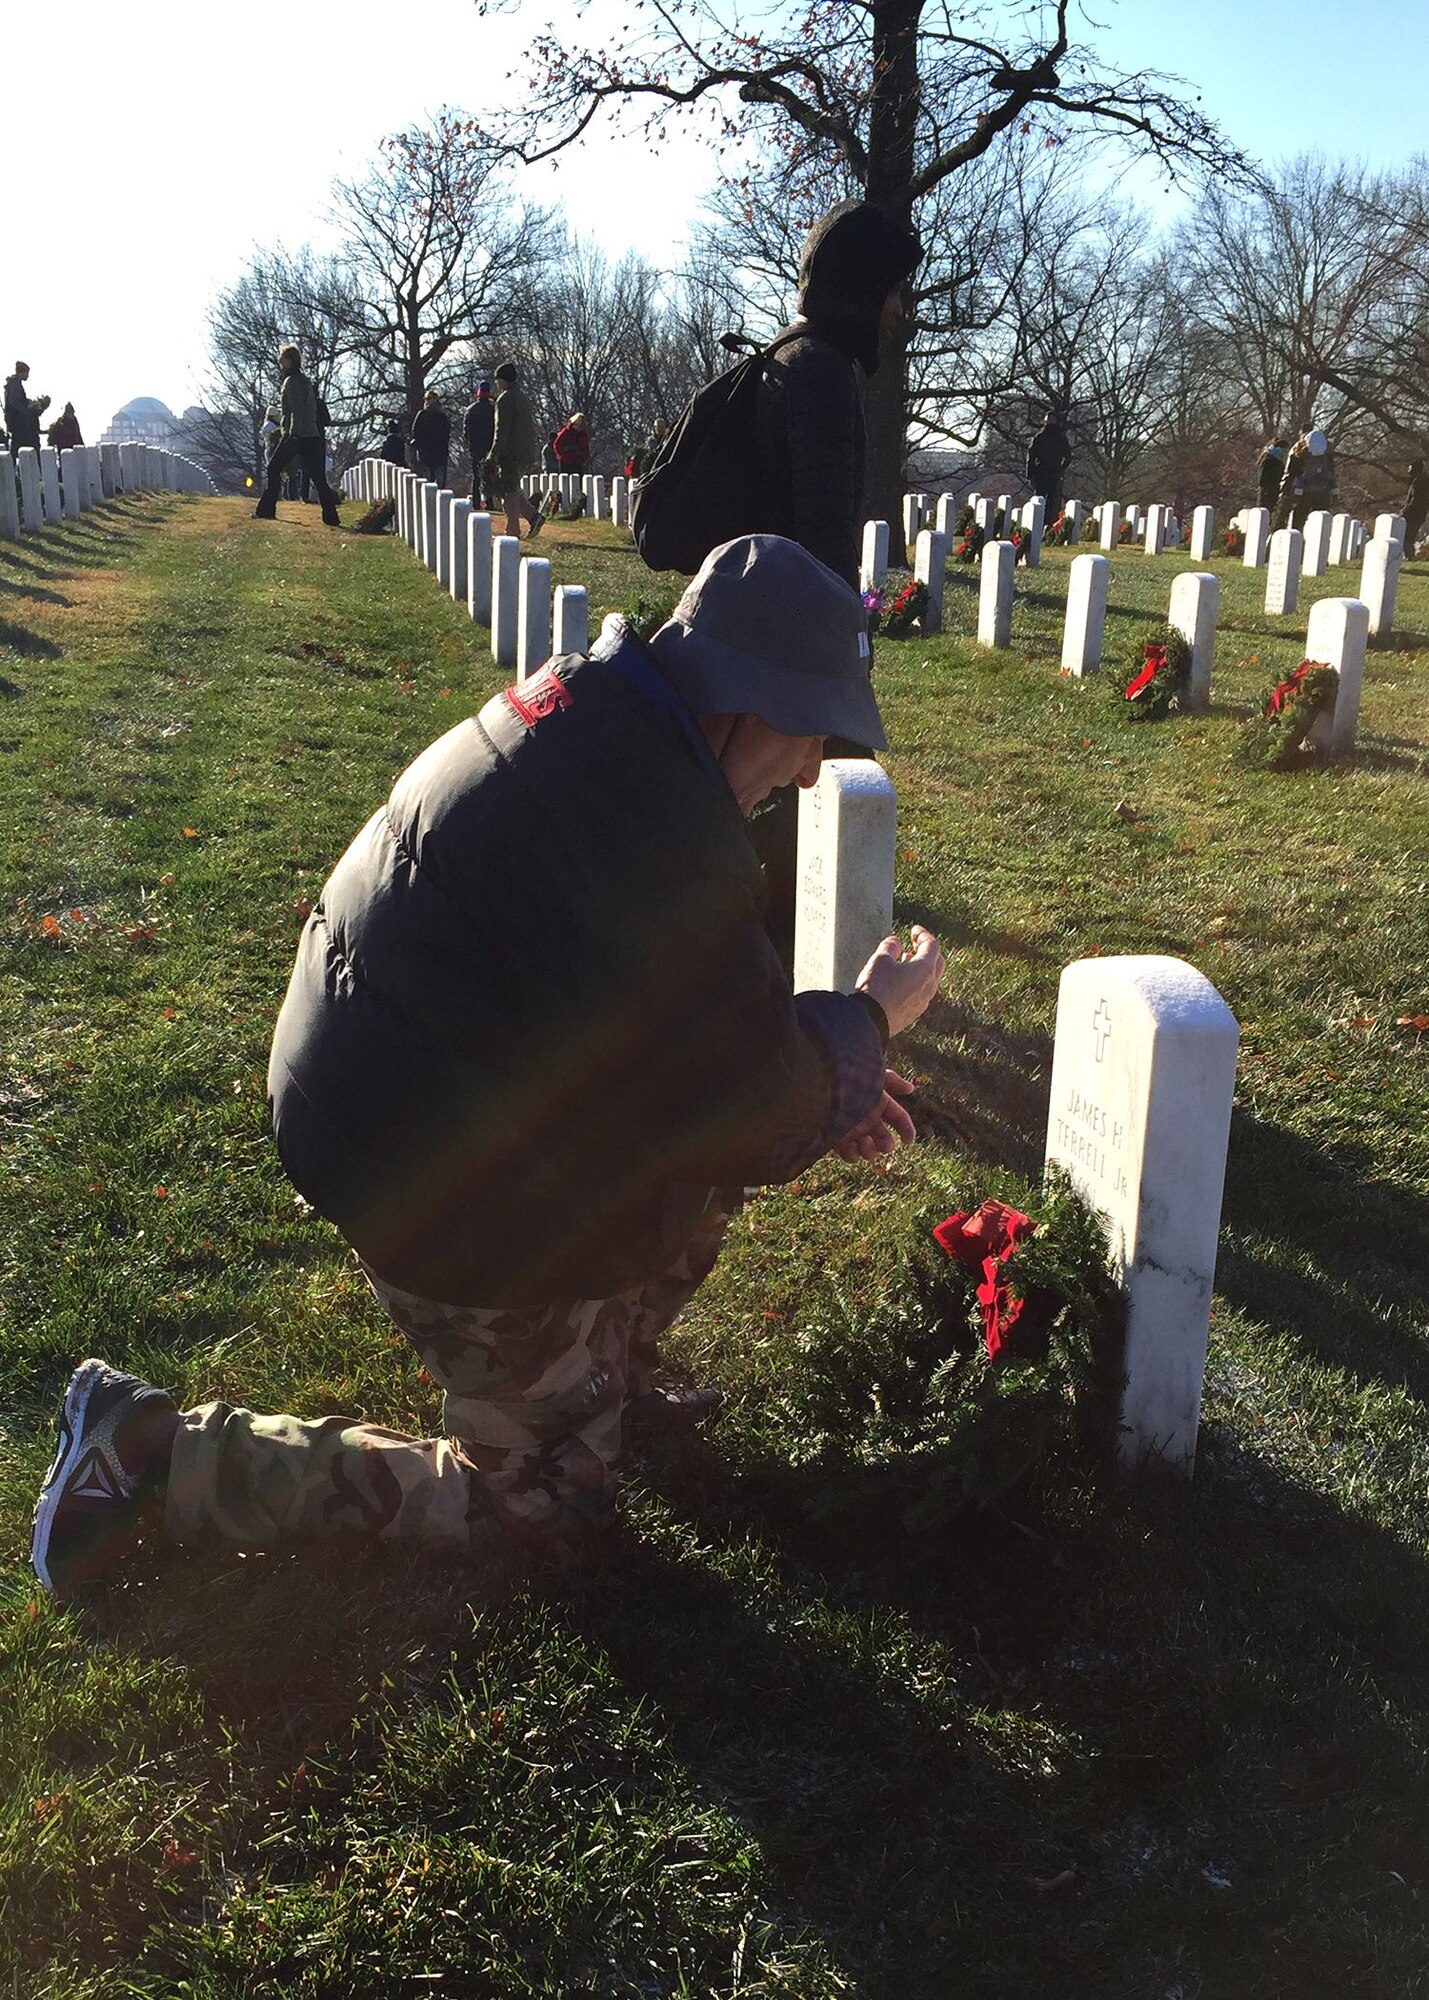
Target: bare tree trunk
{"type": "Point", "coordinates": [892, 139]}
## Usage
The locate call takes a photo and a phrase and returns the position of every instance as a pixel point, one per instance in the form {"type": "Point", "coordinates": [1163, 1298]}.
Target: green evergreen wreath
{"type": "Point", "coordinates": [1157, 678]}
{"type": "Point", "coordinates": [1276, 739]}
{"type": "Point", "coordinates": [378, 518]}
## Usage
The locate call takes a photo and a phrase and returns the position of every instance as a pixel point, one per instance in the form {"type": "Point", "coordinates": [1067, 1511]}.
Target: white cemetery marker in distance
{"type": "Point", "coordinates": [1074, 513]}
{"type": "Point", "coordinates": [847, 834]}
{"type": "Point", "coordinates": [1282, 576]}
{"type": "Point", "coordinates": [1108, 520]}
{"type": "Point", "coordinates": [984, 512]}
{"type": "Point", "coordinates": [1317, 543]}
{"type": "Point", "coordinates": [1143, 1074]}
{"type": "Point", "coordinates": [1203, 529]}
{"type": "Point", "coordinates": [1379, 584]}
{"type": "Point", "coordinates": [1257, 536]}
{"type": "Point", "coordinates": [1034, 525]}
{"type": "Point", "coordinates": [874, 567]}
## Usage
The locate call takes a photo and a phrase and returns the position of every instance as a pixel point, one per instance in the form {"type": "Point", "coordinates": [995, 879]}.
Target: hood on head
{"type": "Point", "coordinates": [851, 260]}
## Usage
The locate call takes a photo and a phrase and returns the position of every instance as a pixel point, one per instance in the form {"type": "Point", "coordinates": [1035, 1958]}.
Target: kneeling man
{"type": "Point", "coordinates": [534, 1037]}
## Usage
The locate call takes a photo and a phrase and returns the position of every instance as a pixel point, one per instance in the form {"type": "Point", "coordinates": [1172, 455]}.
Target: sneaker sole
{"type": "Point", "coordinates": [67, 1456]}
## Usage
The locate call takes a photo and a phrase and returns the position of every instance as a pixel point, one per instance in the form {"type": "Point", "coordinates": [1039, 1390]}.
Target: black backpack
{"type": "Point", "coordinates": [702, 486]}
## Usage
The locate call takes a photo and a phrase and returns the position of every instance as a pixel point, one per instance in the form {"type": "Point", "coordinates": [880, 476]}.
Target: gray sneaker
{"type": "Point", "coordinates": [110, 1468]}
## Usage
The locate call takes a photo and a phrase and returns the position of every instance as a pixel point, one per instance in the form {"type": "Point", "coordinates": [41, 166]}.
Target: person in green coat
{"type": "Point", "coordinates": [301, 443]}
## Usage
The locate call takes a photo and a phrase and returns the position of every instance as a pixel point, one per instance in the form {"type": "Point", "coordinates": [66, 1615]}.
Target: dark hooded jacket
{"type": "Point", "coordinates": [535, 1017]}
{"type": "Point", "coordinates": [810, 428]}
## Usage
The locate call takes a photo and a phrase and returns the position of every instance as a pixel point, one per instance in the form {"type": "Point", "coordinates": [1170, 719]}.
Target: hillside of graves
{"type": "Point", "coordinates": [844, 1709]}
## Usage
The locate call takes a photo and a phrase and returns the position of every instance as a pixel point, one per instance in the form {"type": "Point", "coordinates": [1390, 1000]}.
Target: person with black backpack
{"type": "Point", "coordinates": [776, 444]}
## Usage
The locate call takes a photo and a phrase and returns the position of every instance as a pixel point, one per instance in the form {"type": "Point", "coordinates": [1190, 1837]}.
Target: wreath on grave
{"type": "Point", "coordinates": [1125, 535]}
{"type": "Point", "coordinates": [378, 518]}
{"type": "Point", "coordinates": [1059, 535]}
{"type": "Point", "coordinates": [901, 617]}
{"type": "Point", "coordinates": [1090, 530]}
{"type": "Point", "coordinates": [968, 537]}
{"type": "Point", "coordinates": [1235, 542]}
{"type": "Point", "coordinates": [553, 510]}
{"type": "Point", "coordinates": [1005, 1344]}
{"type": "Point", "coordinates": [1157, 679]}
{"type": "Point", "coordinates": [1276, 739]}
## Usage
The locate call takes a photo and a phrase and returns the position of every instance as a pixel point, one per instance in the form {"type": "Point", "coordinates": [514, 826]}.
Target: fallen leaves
{"type": "Point", "coordinates": [1418, 1022]}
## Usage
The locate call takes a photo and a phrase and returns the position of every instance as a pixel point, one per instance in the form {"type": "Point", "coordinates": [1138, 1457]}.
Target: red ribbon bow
{"type": "Point", "coordinates": [987, 1237]}
{"type": "Point", "coordinates": [1288, 689]}
{"type": "Point", "coordinates": [1155, 661]}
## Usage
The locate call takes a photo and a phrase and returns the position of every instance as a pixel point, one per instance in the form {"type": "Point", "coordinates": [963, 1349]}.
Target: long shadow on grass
{"type": "Point", "coordinates": [1314, 1246]}
{"type": "Point", "coordinates": [29, 645]}
{"type": "Point", "coordinates": [1221, 1660]}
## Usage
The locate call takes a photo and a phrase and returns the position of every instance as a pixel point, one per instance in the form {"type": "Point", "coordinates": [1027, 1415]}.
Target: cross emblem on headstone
{"type": "Point", "coordinates": [1101, 1027]}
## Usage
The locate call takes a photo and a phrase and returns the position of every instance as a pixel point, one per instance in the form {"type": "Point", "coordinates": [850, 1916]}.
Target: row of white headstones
{"type": "Point", "coordinates": [40, 488]}
{"type": "Point", "coordinates": [1339, 627]}
{"type": "Point", "coordinates": [1144, 1059]}
{"type": "Point", "coordinates": [509, 593]}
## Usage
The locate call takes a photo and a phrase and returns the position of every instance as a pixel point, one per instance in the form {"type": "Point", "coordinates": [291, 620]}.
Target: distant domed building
{"type": "Point", "coordinates": [145, 420]}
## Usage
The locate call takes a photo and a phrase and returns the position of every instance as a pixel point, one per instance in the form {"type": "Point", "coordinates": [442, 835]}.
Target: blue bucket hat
{"type": "Point", "coordinates": [765, 629]}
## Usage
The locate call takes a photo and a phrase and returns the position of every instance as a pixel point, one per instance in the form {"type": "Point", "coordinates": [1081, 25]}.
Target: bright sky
{"type": "Point", "coordinates": [154, 145]}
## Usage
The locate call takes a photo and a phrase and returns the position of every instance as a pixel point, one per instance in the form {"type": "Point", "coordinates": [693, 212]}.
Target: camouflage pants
{"type": "Point", "coordinates": [532, 1413]}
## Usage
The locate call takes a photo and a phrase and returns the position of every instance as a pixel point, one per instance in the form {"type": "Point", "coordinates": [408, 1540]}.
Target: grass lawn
{"type": "Point", "coordinates": [789, 1738]}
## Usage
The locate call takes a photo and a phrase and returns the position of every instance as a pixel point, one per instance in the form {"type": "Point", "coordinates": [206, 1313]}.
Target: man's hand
{"type": "Point", "coordinates": [886, 1126]}
{"type": "Point", "coordinates": [903, 982]}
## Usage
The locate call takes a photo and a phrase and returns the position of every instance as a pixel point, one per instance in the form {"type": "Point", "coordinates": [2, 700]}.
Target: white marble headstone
{"type": "Point", "coordinates": [1108, 522]}
{"type": "Point", "coordinates": [1195, 602]}
{"type": "Point", "coordinates": [874, 566]}
{"type": "Point", "coordinates": [533, 616]}
{"type": "Point", "coordinates": [460, 547]}
{"type": "Point", "coordinates": [847, 833]}
{"type": "Point", "coordinates": [9, 500]}
{"type": "Point", "coordinates": [570, 620]}
{"type": "Point", "coordinates": [930, 567]}
{"type": "Point", "coordinates": [1282, 575]}
{"type": "Point", "coordinates": [505, 569]}
{"type": "Point", "coordinates": [478, 567]}
{"type": "Point", "coordinates": [1143, 1075]}
{"type": "Point", "coordinates": [1379, 583]}
{"type": "Point", "coordinates": [1203, 531]}
{"type": "Point", "coordinates": [1087, 582]}
{"type": "Point", "coordinates": [1257, 536]}
{"type": "Point", "coordinates": [1337, 635]}
{"type": "Point", "coordinates": [1317, 543]}
{"type": "Point", "coordinates": [994, 604]}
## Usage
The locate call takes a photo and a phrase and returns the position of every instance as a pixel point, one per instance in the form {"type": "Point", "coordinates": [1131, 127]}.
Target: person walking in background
{"type": "Point", "coordinates": [22, 412]}
{"type": "Point", "coordinates": [1416, 506]}
{"type": "Point", "coordinates": [64, 433]}
{"type": "Point", "coordinates": [394, 445]}
{"type": "Point", "coordinates": [1308, 483]}
{"type": "Point", "coordinates": [478, 429]}
{"type": "Point", "coordinates": [1048, 456]}
{"type": "Point", "coordinates": [572, 442]}
{"type": "Point", "coordinates": [643, 456]}
{"type": "Point", "coordinates": [514, 449]}
{"type": "Point", "coordinates": [301, 443]}
{"type": "Point", "coordinates": [431, 439]}
{"type": "Point", "coordinates": [1269, 471]}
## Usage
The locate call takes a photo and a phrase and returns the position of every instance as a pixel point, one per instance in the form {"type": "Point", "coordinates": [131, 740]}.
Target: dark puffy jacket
{"type": "Point", "coordinates": [535, 1018]}
{"type": "Point", "coordinates": [1269, 471]}
{"type": "Point", "coordinates": [1048, 456]}
{"type": "Point", "coordinates": [809, 414]}
{"type": "Point", "coordinates": [479, 429]}
{"type": "Point", "coordinates": [22, 414]}
{"type": "Point", "coordinates": [394, 448]}
{"type": "Point", "coordinates": [431, 437]}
